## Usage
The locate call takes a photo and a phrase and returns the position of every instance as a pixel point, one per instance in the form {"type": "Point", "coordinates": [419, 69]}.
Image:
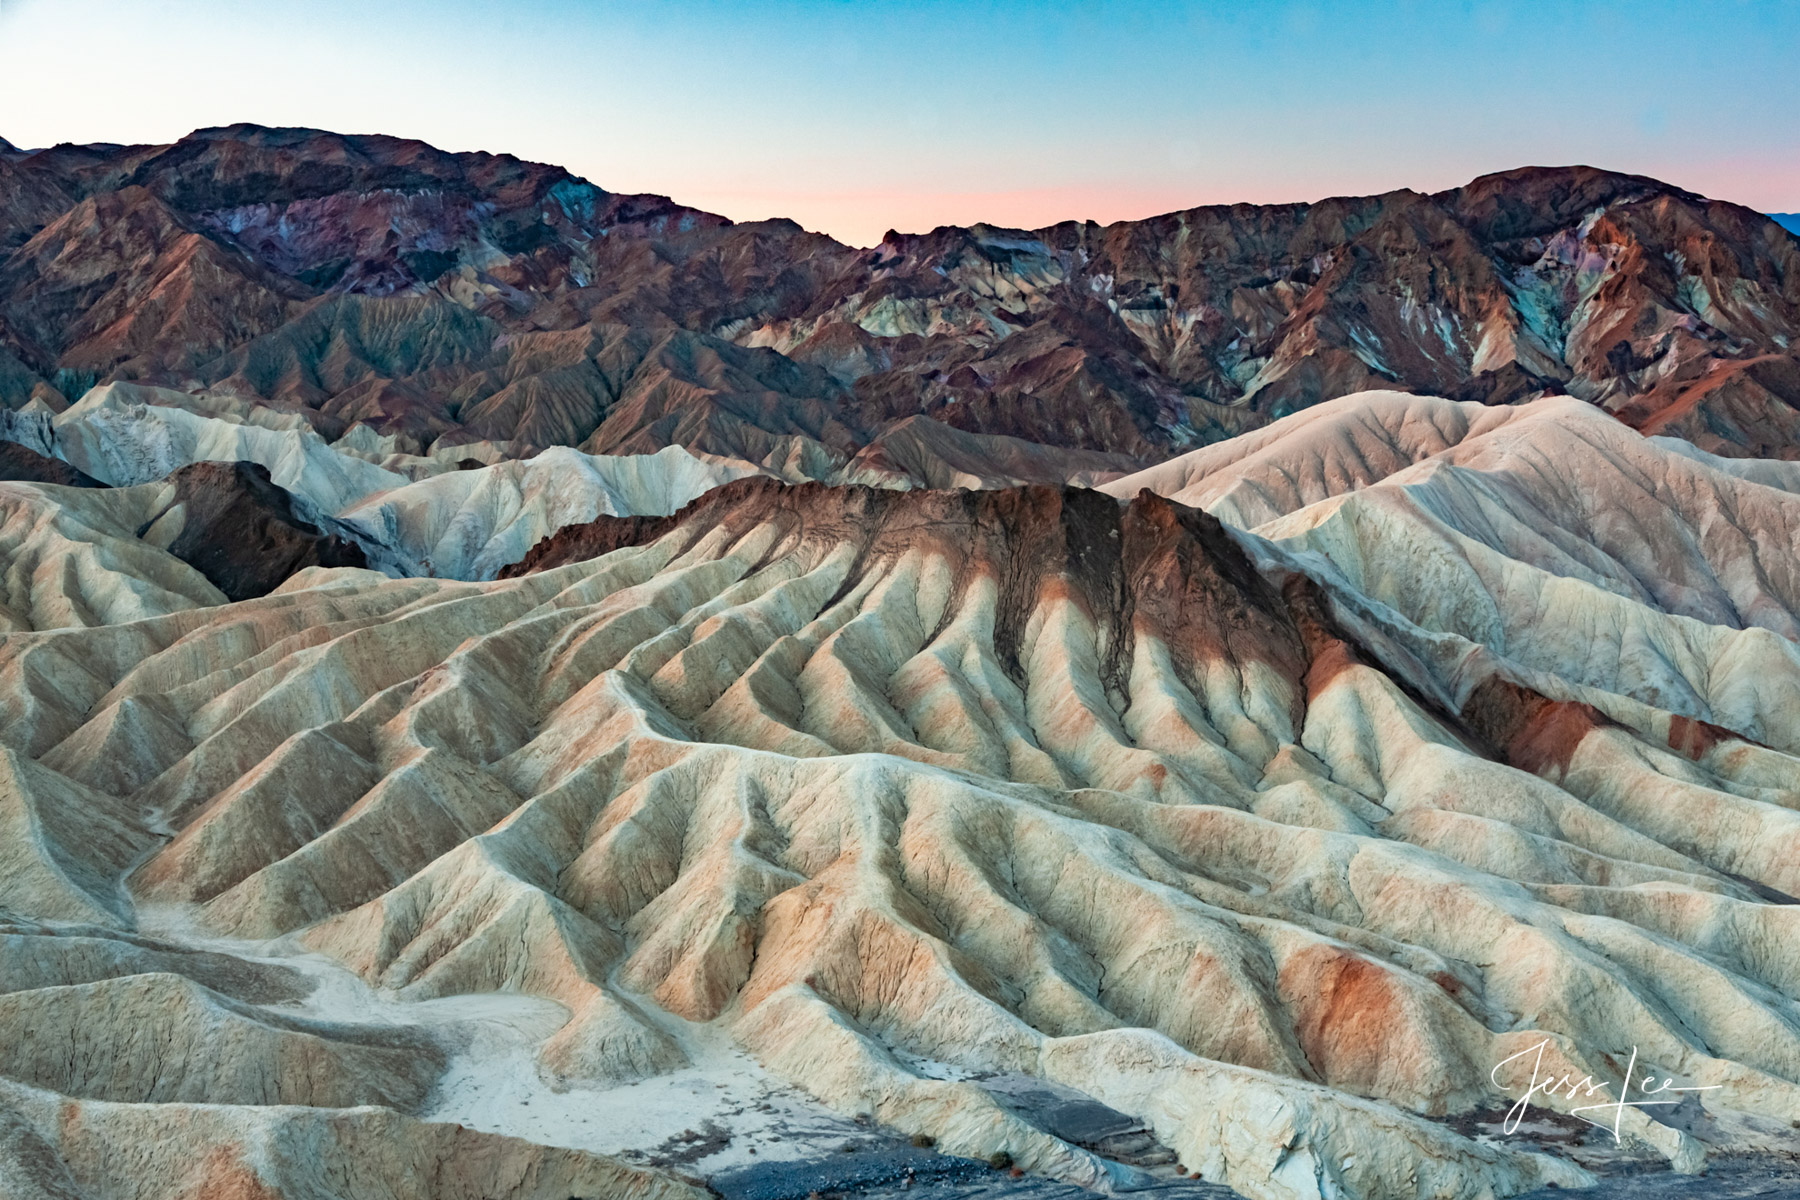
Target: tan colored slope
{"type": "Point", "coordinates": [1278, 842]}
{"type": "Point", "coordinates": [1592, 562]}
{"type": "Point", "coordinates": [1323, 451]}
{"type": "Point", "coordinates": [38, 955]}
{"type": "Point", "coordinates": [1556, 485]}
{"type": "Point", "coordinates": [160, 1038]}
{"type": "Point", "coordinates": [74, 556]}
{"type": "Point", "coordinates": [63, 845]}
{"type": "Point", "coordinates": [51, 1147]}
{"type": "Point", "coordinates": [1570, 491]}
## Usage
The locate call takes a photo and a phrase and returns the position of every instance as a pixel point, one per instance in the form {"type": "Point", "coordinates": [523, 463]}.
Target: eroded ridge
{"type": "Point", "coordinates": [1027, 781]}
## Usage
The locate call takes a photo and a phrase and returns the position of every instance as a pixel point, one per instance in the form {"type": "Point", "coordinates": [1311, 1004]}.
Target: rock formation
{"type": "Point", "coordinates": [1271, 801]}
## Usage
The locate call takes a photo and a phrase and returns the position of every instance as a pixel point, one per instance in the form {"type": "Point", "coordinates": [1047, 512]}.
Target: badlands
{"type": "Point", "coordinates": [515, 691]}
{"type": "Point", "coordinates": [1261, 803]}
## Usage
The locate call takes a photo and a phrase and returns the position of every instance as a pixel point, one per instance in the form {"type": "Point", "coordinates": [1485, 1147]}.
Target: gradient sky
{"type": "Point", "coordinates": [856, 117]}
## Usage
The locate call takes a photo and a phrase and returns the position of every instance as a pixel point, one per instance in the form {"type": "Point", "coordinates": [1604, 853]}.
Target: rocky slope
{"type": "Point", "coordinates": [1270, 803]}
{"type": "Point", "coordinates": [436, 299]}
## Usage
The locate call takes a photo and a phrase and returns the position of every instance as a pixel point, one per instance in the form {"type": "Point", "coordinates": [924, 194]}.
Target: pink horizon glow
{"type": "Point", "coordinates": [862, 217]}
{"type": "Point", "coordinates": [854, 119]}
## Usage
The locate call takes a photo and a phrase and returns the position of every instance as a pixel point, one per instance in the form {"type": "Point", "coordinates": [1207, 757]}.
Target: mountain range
{"type": "Point", "coordinates": [514, 691]}
{"type": "Point", "coordinates": [439, 299]}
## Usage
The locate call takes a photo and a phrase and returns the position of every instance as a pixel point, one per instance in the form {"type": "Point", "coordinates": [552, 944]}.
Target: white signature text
{"type": "Point", "coordinates": [1566, 1087]}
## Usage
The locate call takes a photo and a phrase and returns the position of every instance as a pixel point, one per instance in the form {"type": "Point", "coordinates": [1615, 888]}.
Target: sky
{"type": "Point", "coordinates": [853, 118]}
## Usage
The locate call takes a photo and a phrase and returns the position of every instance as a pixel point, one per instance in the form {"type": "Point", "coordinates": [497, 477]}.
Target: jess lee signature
{"type": "Point", "coordinates": [1568, 1087]}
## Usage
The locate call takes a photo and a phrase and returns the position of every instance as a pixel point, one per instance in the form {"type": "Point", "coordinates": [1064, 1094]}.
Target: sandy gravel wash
{"type": "Point", "coordinates": [1231, 832]}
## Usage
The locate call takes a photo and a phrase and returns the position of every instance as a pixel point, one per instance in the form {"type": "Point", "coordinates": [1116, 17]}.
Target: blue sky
{"type": "Point", "coordinates": [853, 118]}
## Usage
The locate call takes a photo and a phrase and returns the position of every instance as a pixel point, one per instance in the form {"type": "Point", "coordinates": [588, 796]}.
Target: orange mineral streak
{"type": "Point", "coordinates": [1693, 738]}
{"type": "Point", "coordinates": [1528, 730]}
{"type": "Point", "coordinates": [1668, 404]}
{"type": "Point", "coordinates": [1347, 1014]}
{"type": "Point", "coordinates": [1328, 653]}
{"type": "Point", "coordinates": [224, 1175]}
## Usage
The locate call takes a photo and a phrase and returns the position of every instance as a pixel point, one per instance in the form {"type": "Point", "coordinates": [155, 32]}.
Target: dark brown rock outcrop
{"type": "Point", "coordinates": [1151, 566]}
{"type": "Point", "coordinates": [240, 530]}
{"type": "Point", "coordinates": [28, 466]}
